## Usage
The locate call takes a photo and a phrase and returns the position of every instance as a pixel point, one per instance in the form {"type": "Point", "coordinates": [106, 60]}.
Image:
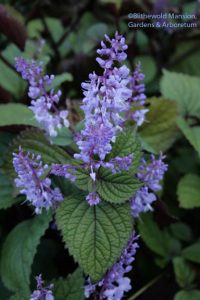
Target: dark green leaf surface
{"type": "Point", "coordinates": [183, 89]}
{"type": "Point", "coordinates": [189, 191]}
{"type": "Point", "coordinates": [18, 253]}
{"type": "Point", "coordinates": [71, 288]}
{"type": "Point", "coordinates": [96, 235]}
{"type": "Point", "coordinates": [192, 253]}
{"type": "Point", "coordinates": [116, 188]}
{"type": "Point", "coordinates": [160, 130]}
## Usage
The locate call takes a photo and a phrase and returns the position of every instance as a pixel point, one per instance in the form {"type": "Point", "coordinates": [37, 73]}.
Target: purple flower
{"type": "Point", "coordinates": [65, 170]}
{"type": "Point", "coordinates": [37, 190]}
{"type": "Point", "coordinates": [42, 293]}
{"type": "Point", "coordinates": [105, 98]}
{"type": "Point", "coordinates": [44, 103]}
{"type": "Point", "coordinates": [139, 116]}
{"type": "Point", "coordinates": [118, 163]}
{"type": "Point", "coordinates": [94, 139]}
{"type": "Point", "coordinates": [138, 88]}
{"type": "Point", "coordinates": [93, 198]}
{"type": "Point", "coordinates": [114, 52]}
{"type": "Point", "coordinates": [114, 284]}
{"type": "Point", "coordinates": [141, 202]}
{"type": "Point", "coordinates": [138, 98]}
{"type": "Point", "coordinates": [150, 174]}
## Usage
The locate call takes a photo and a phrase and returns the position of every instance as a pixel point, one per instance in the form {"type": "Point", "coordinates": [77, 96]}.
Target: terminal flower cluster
{"type": "Point", "coordinates": [114, 284]}
{"type": "Point", "coordinates": [44, 102]}
{"type": "Point", "coordinates": [42, 293]}
{"type": "Point", "coordinates": [106, 98]}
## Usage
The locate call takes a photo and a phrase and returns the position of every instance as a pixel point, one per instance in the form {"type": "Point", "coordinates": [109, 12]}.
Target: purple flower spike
{"type": "Point", "coordinates": [105, 98]}
{"type": "Point", "coordinates": [150, 174]}
{"type": "Point", "coordinates": [114, 284]}
{"type": "Point", "coordinates": [38, 191]}
{"type": "Point", "coordinates": [115, 51]}
{"type": "Point", "coordinates": [42, 293]}
{"type": "Point", "coordinates": [44, 103]}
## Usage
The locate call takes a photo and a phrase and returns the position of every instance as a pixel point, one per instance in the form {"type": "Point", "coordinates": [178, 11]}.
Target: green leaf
{"type": "Point", "coordinates": [9, 79]}
{"type": "Point", "coordinates": [116, 188]}
{"type": "Point", "coordinates": [35, 28]}
{"type": "Point", "coordinates": [16, 114]}
{"type": "Point", "coordinates": [192, 253]}
{"type": "Point", "coordinates": [181, 231]}
{"type": "Point", "coordinates": [18, 252]}
{"type": "Point", "coordinates": [7, 198]}
{"type": "Point", "coordinates": [83, 179]}
{"type": "Point", "coordinates": [160, 130]}
{"type": "Point", "coordinates": [55, 27]}
{"type": "Point", "coordinates": [18, 297]}
{"type": "Point", "coordinates": [183, 89]}
{"type": "Point", "coordinates": [70, 288]}
{"type": "Point", "coordinates": [192, 134]}
{"type": "Point", "coordinates": [156, 239]}
{"type": "Point", "coordinates": [183, 272]}
{"type": "Point", "coordinates": [96, 235]}
{"type": "Point", "coordinates": [188, 295]}
{"type": "Point", "coordinates": [127, 143]}
{"type": "Point", "coordinates": [5, 139]}
{"type": "Point", "coordinates": [64, 137]}
{"type": "Point", "coordinates": [189, 191]}
{"type": "Point", "coordinates": [34, 140]}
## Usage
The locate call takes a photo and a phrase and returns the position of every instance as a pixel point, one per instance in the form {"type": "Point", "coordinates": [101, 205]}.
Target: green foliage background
{"type": "Point", "coordinates": [167, 265]}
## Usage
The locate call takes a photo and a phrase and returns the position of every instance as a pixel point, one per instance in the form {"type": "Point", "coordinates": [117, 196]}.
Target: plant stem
{"type": "Point", "coordinates": [146, 287]}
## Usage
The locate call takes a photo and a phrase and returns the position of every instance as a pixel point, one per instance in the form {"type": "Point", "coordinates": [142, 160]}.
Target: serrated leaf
{"type": "Point", "coordinates": [16, 114]}
{"type": "Point", "coordinates": [96, 235]}
{"type": "Point", "coordinates": [34, 140]}
{"type": "Point", "coordinates": [7, 198]}
{"type": "Point", "coordinates": [188, 295]}
{"type": "Point", "coordinates": [183, 89]}
{"type": "Point", "coordinates": [183, 272]}
{"type": "Point", "coordinates": [116, 188]}
{"type": "Point", "coordinates": [71, 288]}
{"type": "Point", "coordinates": [192, 134]}
{"type": "Point", "coordinates": [189, 191]}
{"type": "Point", "coordinates": [192, 253]}
{"type": "Point", "coordinates": [127, 143]}
{"type": "Point", "coordinates": [18, 252]}
{"type": "Point", "coordinates": [160, 130]}
{"type": "Point", "coordinates": [64, 137]}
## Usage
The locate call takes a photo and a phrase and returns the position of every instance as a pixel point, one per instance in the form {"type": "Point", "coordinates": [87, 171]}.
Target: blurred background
{"type": "Point", "coordinates": [65, 36]}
